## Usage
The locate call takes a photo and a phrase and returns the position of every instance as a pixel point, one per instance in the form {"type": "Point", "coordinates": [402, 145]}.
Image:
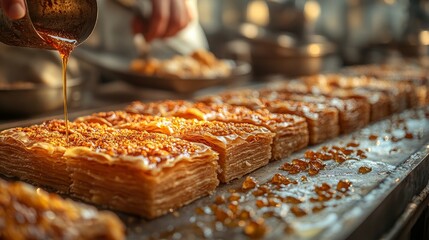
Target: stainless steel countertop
{"type": "Point", "coordinates": [375, 203]}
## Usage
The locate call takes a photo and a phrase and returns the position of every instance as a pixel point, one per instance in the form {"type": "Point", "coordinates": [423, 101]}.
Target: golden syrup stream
{"type": "Point", "coordinates": [64, 46]}
{"type": "Point", "coordinates": [64, 59]}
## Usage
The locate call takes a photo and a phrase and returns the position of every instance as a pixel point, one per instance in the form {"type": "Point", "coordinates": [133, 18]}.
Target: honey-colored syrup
{"type": "Point", "coordinates": [64, 45]}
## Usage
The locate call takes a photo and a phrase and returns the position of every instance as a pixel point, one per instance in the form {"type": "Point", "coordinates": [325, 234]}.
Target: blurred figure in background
{"type": "Point", "coordinates": [171, 26]}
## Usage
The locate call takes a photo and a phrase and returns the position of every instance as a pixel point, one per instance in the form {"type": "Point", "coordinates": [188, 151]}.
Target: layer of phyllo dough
{"type": "Point", "coordinates": [322, 120]}
{"type": "Point", "coordinates": [242, 147]}
{"type": "Point", "coordinates": [127, 170]}
{"type": "Point", "coordinates": [291, 132]}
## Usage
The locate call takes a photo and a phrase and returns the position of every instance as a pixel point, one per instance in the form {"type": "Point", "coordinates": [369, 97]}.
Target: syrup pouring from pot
{"type": "Point", "coordinates": [52, 24]}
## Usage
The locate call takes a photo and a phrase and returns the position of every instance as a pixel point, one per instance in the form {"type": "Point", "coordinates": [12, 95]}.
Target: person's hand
{"type": "Point", "coordinates": [14, 9]}
{"type": "Point", "coordinates": [168, 18]}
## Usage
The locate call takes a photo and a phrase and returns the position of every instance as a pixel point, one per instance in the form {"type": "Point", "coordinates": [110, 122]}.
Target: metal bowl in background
{"type": "Point", "coordinates": [31, 82]}
{"type": "Point", "coordinates": [37, 99]}
{"type": "Point", "coordinates": [283, 53]}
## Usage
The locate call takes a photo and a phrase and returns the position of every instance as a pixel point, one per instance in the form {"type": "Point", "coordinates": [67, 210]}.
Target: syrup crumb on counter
{"type": "Point", "coordinates": [313, 161]}
{"type": "Point", "coordinates": [249, 183]}
{"type": "Point", "coordinates": [268, 199]}
{"type": "Point", "coordinates": [364, 170]}
{"type": "Point", "coordinates": [373, 137]}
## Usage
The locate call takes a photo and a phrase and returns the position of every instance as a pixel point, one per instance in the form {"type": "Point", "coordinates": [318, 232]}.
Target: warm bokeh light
{"type": "Point", "coordinates": [314, 49]}
{"type": "Point", "coordinates": [257, 13]}
{"type": "Point", "coordinates": [424, 37]}
{"type": "Point", "coordinates": [249, 30]}
{"type": "Point", "coordinates": [311, 10]}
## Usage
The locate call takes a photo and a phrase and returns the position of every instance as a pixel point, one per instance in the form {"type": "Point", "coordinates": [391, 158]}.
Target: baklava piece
{"type": "Point", "coordinates": [322, 120]}
{"type": "Point", "coordinates": [242, 147]}
{"type": "Point", "coordinates": [395, 92]}
{"type": "Point", "coordinates": [30, 213]}
{"type": "Point", "coordinates": [379, 102]}
{"type": "Point", "coordinates": [142, 173]}
{"type": "Point", "coordinates": [353, 113]}
{"type": "Point", "coordinates": [414, 76]}
{"type": "Point", "coordinates": [35, 155]}
{"type": "Point", "coordinates": [291, 133]}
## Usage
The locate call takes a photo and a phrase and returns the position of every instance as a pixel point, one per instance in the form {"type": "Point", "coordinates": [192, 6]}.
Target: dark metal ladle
{"type": "Point", "coordinates": [71, 19]}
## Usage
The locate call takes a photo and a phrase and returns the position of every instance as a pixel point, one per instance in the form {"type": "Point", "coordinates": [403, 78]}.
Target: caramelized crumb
{"type": "Point", "coordinates": [273, 202]}
{"type": "Point", "coordinates": [340, 158]}
{"type": "Point", "coordinates": [220, 200]}
{"type": "Point", "coordinates": [286, 167]}
{"type": "Point", "coordinates": [301, 164]}
{"type": "Point", "coordinates": [292, 200]}
{"type": "Point", "coordinates": [317, 164]}
{"type": "Point", "coordinates": [318, 208]}
{"type": "Point", "coordinates": [244, 215]}
{"type": "Point", "coordinates": [233, 207]}
{"type": "Point", "coordinates": [256, 228]}
{"type": "Point", "coordinates": [297, 211]}
{"type": "Point", "coordinates": [409, 135]}
{"type": "Point", "coordinates": [234, 197]}
{"type": "Point", "coordinates": [343, 186]}
{"type": "Point", "coordinates": [278, 179]}
{"type": "Point", "coordinates": [249, 183]}
{"type": "Point", "coordinates": [364, 170]}
{"type": "Point", "coordinates": [353, 144]}
{"type": "Point", "coordinates": [199, 211]}
{"type": "Point", "coordinates": [361, 154]}
{"type": "Point", "coordinates": [214, 207]}
{"type": "Point", "coordinates": [268, 214]}
{"type": "Point", "coordinates": [260, 203]}
{"type": "Point", "coordinates": [346, 151]}
{"type": "Point", "coordinates": [223, 216]}
{"type": "Point", "coordinates": [373, 137]}
{"type": "Point", "coordinates": [261, 190]}
{"type": "Point", "coordinates": [310, 154]}
{"type": "Point", "coordinates": [295, 170]}
{"type": "Point", "coordinates": [288, 229]}
{"type": "Point", "coordinates": [313, 171]}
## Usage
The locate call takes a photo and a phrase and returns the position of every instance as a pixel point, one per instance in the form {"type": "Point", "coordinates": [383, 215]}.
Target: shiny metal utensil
{"type": "Point", "coordinates": [71, 19]}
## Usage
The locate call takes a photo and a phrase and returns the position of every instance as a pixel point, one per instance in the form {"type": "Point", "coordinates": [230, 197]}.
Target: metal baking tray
{"type": "Point", "coordinates": [375, 201]}
{"type": "Point", "coordinates": [118, 67]}
{"type": "Point", "coordinates": [371, 209]}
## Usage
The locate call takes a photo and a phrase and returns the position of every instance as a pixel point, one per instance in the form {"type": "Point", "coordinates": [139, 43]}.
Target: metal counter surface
{"type": "Point", "coordinates": [374, 203]}
{"type": "Point", "coordinates": [371, 207]}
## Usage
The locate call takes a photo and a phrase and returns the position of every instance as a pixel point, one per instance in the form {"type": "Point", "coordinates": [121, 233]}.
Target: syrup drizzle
{"type": "Point", "coordinates": [64, 46]}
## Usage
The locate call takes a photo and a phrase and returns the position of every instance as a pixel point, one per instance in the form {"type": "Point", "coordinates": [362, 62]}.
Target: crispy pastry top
{"type": "Point", "coordinates": [213, 111]}
{"type": "Point", "coordinates": [151, 151]}
{"type": "Point", "coordinates": [177, 126]}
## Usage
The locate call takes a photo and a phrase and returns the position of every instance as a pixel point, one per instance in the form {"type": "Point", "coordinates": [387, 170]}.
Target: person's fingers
{"type": "Point", "coordinates": [179, 17]}
{"type": "Point", "coordinates": [14, 9]}
{"type": "Point", "coordinates": [159, 19]}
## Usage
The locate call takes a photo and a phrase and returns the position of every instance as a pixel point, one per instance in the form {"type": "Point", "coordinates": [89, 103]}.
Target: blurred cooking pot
{"type": "Point", "coordinates": [286, 54]}
{"type": "Point", "coordinates": [31, 81]}
{"type": "Point", "coordinates": [20, 100]}
{"type": "Point", "coordinates": [286, 16]}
